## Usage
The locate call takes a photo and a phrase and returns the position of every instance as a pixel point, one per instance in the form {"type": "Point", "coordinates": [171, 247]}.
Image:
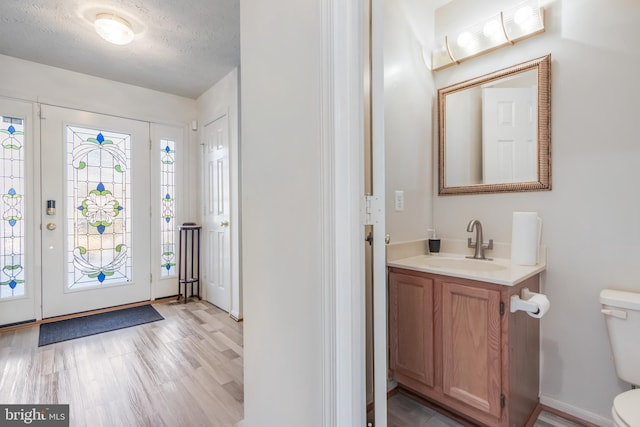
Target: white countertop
{"type": "Point", "coordinates": [499, 270]}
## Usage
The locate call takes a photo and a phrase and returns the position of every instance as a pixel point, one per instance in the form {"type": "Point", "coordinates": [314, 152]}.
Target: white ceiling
{"type": "Point", "coordinates": [181, 46]}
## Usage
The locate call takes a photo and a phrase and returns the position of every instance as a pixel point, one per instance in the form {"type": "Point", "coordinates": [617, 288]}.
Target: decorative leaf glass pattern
{"type": "Point", "coordinates": [12, 186]}
{"type": "Point", "coordinates": [168, 226]}
{"type": "Point", "coordinates": [98, 201]}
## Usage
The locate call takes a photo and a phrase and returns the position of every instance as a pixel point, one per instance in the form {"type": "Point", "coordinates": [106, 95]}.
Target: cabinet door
{"type": "Point", "coordinates": [471, 346]}
{"type": "Point", "coordinates": [411, 328]}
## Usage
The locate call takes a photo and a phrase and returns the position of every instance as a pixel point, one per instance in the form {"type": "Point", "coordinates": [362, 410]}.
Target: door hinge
{"type": "Point", "coordinates": [371, 210]}
{"type": "Point", "coordinates": [150, 144]}
{"type": "Point", "coordinates": [501, 308]}
{"type": "Point", "coordinates": [502, 401]}
{"type": "Point", "coordinates": [150, 277]}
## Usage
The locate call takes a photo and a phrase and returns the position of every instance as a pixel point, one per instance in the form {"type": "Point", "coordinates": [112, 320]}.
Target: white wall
{"type": "Point", "coordinates": [223, 98]}
{"type": "Point", "coordinates": [281, 212]}
{"type": "Point", "coordinates": [408, 103]}
{"type": "Point", "coordinates": [36, 82]}
{"type": "Point", "coordinates": [590, 216]}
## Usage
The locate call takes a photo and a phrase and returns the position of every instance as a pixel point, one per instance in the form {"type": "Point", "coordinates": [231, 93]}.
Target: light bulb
{"type": "Point", "coordinates": [523, 16]}
{"type": "Point", "coordinates": [113, 29]}
{"type": "Point", "coordinates": [464, 39]}
{"type": "Point", "coordinates": [491, 29]}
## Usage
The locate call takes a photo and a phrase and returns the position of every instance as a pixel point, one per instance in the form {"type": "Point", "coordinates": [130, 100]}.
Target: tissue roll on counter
{"type": "Point", "coordinates": [525, 238]}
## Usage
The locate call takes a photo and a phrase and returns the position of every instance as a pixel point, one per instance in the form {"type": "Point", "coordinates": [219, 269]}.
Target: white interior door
{"type": "Point", "coordinates": [18, 205]}
{"type": "Point", "coordinates": [95, 247]}
{"type": "Point", "coordinates": [217, 258]}
{"type": "Point", "coordinates": [509, 135]}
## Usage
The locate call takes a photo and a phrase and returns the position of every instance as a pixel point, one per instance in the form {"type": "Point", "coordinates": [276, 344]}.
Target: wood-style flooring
{"type": "Point", "coordinates": [186, 370]}
{"type": "Point", "coordinates": [402, 411]}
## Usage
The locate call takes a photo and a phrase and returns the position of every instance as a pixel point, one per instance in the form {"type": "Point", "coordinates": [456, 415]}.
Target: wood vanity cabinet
{"type": "Point", "coordinates": [454, 342]}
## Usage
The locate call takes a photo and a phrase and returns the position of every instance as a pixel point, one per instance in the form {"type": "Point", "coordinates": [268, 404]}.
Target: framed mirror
{"type": "Point", "coordinates": [495, 131]}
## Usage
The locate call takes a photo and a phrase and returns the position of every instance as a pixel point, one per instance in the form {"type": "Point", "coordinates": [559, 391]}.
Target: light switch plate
{"type": "Point", "coordinates": [399, 200]}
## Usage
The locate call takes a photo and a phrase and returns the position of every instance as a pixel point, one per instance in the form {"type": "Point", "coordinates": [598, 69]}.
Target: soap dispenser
{"type": "Point", "coordinates": [434, 242]}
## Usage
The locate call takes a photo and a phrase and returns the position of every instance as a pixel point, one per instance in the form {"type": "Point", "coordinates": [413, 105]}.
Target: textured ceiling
{"type": "Point", "coordinates": [181, 46]}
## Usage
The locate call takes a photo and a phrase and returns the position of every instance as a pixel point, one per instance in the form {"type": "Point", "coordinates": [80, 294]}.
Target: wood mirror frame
{"type": "Point", "coordinates": [543, 182]}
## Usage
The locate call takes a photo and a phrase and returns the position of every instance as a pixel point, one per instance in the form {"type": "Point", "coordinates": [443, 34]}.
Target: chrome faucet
{"type": "Point", "coordinates": [479, 246]}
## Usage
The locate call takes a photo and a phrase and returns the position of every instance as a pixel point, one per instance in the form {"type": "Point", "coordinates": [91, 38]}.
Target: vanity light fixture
{"type": "Point", "coordinates": [502, 29]}
{"type": "Point", "coordinates": [113, 28]}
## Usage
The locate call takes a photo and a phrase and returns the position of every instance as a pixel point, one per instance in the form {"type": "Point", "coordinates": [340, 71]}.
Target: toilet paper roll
{"type": "Point", "coordinates": [525, 238]}
{"type": "Point", "coordinates": [543, 305]}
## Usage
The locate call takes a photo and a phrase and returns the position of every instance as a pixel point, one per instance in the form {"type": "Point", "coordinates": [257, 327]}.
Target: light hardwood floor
{"type": "Point", "coordinates": [186, 370]}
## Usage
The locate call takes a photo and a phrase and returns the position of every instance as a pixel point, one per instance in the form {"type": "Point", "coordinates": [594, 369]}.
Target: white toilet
{"type": "Point", "coordinates": [622, 314]}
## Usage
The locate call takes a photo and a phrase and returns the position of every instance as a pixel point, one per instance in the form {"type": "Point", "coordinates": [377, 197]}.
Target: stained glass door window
{"type": "Point", "coordinates": [12, 187]}
{"type": "Point", "coordinates": [167, 224]}
{"type": "Point", "coordinates": [98, 207]}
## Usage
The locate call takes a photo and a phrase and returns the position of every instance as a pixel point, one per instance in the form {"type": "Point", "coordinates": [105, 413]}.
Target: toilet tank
{"type": "Point", "coordinates": [621, 310]}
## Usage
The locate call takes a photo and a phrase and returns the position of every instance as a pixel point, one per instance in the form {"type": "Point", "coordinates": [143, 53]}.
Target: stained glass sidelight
{"type": "Point", "coordinates": [12, 186]}
{"type": "Point", "coordinates": [168, 189]}
{"type": "Point", "coordinates": [98, 202]}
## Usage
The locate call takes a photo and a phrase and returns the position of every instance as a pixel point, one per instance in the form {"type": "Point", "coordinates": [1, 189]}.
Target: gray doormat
{"type": "Point", "coordinates": [70, 329]}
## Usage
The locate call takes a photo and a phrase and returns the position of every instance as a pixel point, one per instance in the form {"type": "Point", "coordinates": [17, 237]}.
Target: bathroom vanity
{"type": "Point", "coordinates": [454, 342]}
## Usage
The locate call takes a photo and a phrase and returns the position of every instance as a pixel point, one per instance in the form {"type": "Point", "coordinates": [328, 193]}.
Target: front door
{"type": "Point", "coordinates": [96, 228]}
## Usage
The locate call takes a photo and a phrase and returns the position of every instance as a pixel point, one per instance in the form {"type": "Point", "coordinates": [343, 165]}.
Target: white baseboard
{"type": "Point", "coordinates": [575, 411]}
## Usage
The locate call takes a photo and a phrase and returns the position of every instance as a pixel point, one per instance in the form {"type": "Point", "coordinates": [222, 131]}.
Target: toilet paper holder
{"type": "Point", "coordinates": [521, 302]}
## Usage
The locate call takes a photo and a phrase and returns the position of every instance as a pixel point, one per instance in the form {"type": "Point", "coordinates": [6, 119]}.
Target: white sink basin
{"type": "Point", "coordinates": [499, 271]}
{"type": "Point", "coordinates": [466, 264]}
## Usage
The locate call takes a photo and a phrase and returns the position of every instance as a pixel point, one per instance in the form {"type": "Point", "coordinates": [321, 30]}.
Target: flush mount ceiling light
{"type": "Point", "coordinates": [113, 29]}
{"type": "Point", "coordinates": [502, 29]}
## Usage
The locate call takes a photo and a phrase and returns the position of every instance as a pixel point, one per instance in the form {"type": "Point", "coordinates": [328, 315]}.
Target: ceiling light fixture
{"type": "Point", "coordinates": [502, 29]}
{"type": "Point", "coordinates": [113, 29]}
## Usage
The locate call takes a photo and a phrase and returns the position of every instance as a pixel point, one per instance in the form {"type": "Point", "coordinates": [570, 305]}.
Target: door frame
{"type": "Point", "coordinates": [343, 264]}
{"type": "Point", "coordinates": [380, 303]}
{"type": "Point", "coordinates": [36, 202]}
{"type": "Point", "coordinates": [166, 286]}
{"type": "Point", "coordinates": [33, 205]}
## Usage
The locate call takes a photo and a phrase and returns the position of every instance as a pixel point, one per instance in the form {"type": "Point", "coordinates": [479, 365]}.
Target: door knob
{"type": "Point", "coordinates": [51, 226]}
{"type": "Point", "coordinates": [224, 223]}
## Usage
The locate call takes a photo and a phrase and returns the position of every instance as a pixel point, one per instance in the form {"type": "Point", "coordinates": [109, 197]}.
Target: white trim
{"type": "Point", "coordinates": [575, 411]}
{"type": "Point", "coordinates": [379, 249]}
{"type": "Point", "coordinates": [329, 298]}
{"type": "Point", "coordinates": [36, 188]}
{"type": "Point", "coordinates": [343, 246]}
